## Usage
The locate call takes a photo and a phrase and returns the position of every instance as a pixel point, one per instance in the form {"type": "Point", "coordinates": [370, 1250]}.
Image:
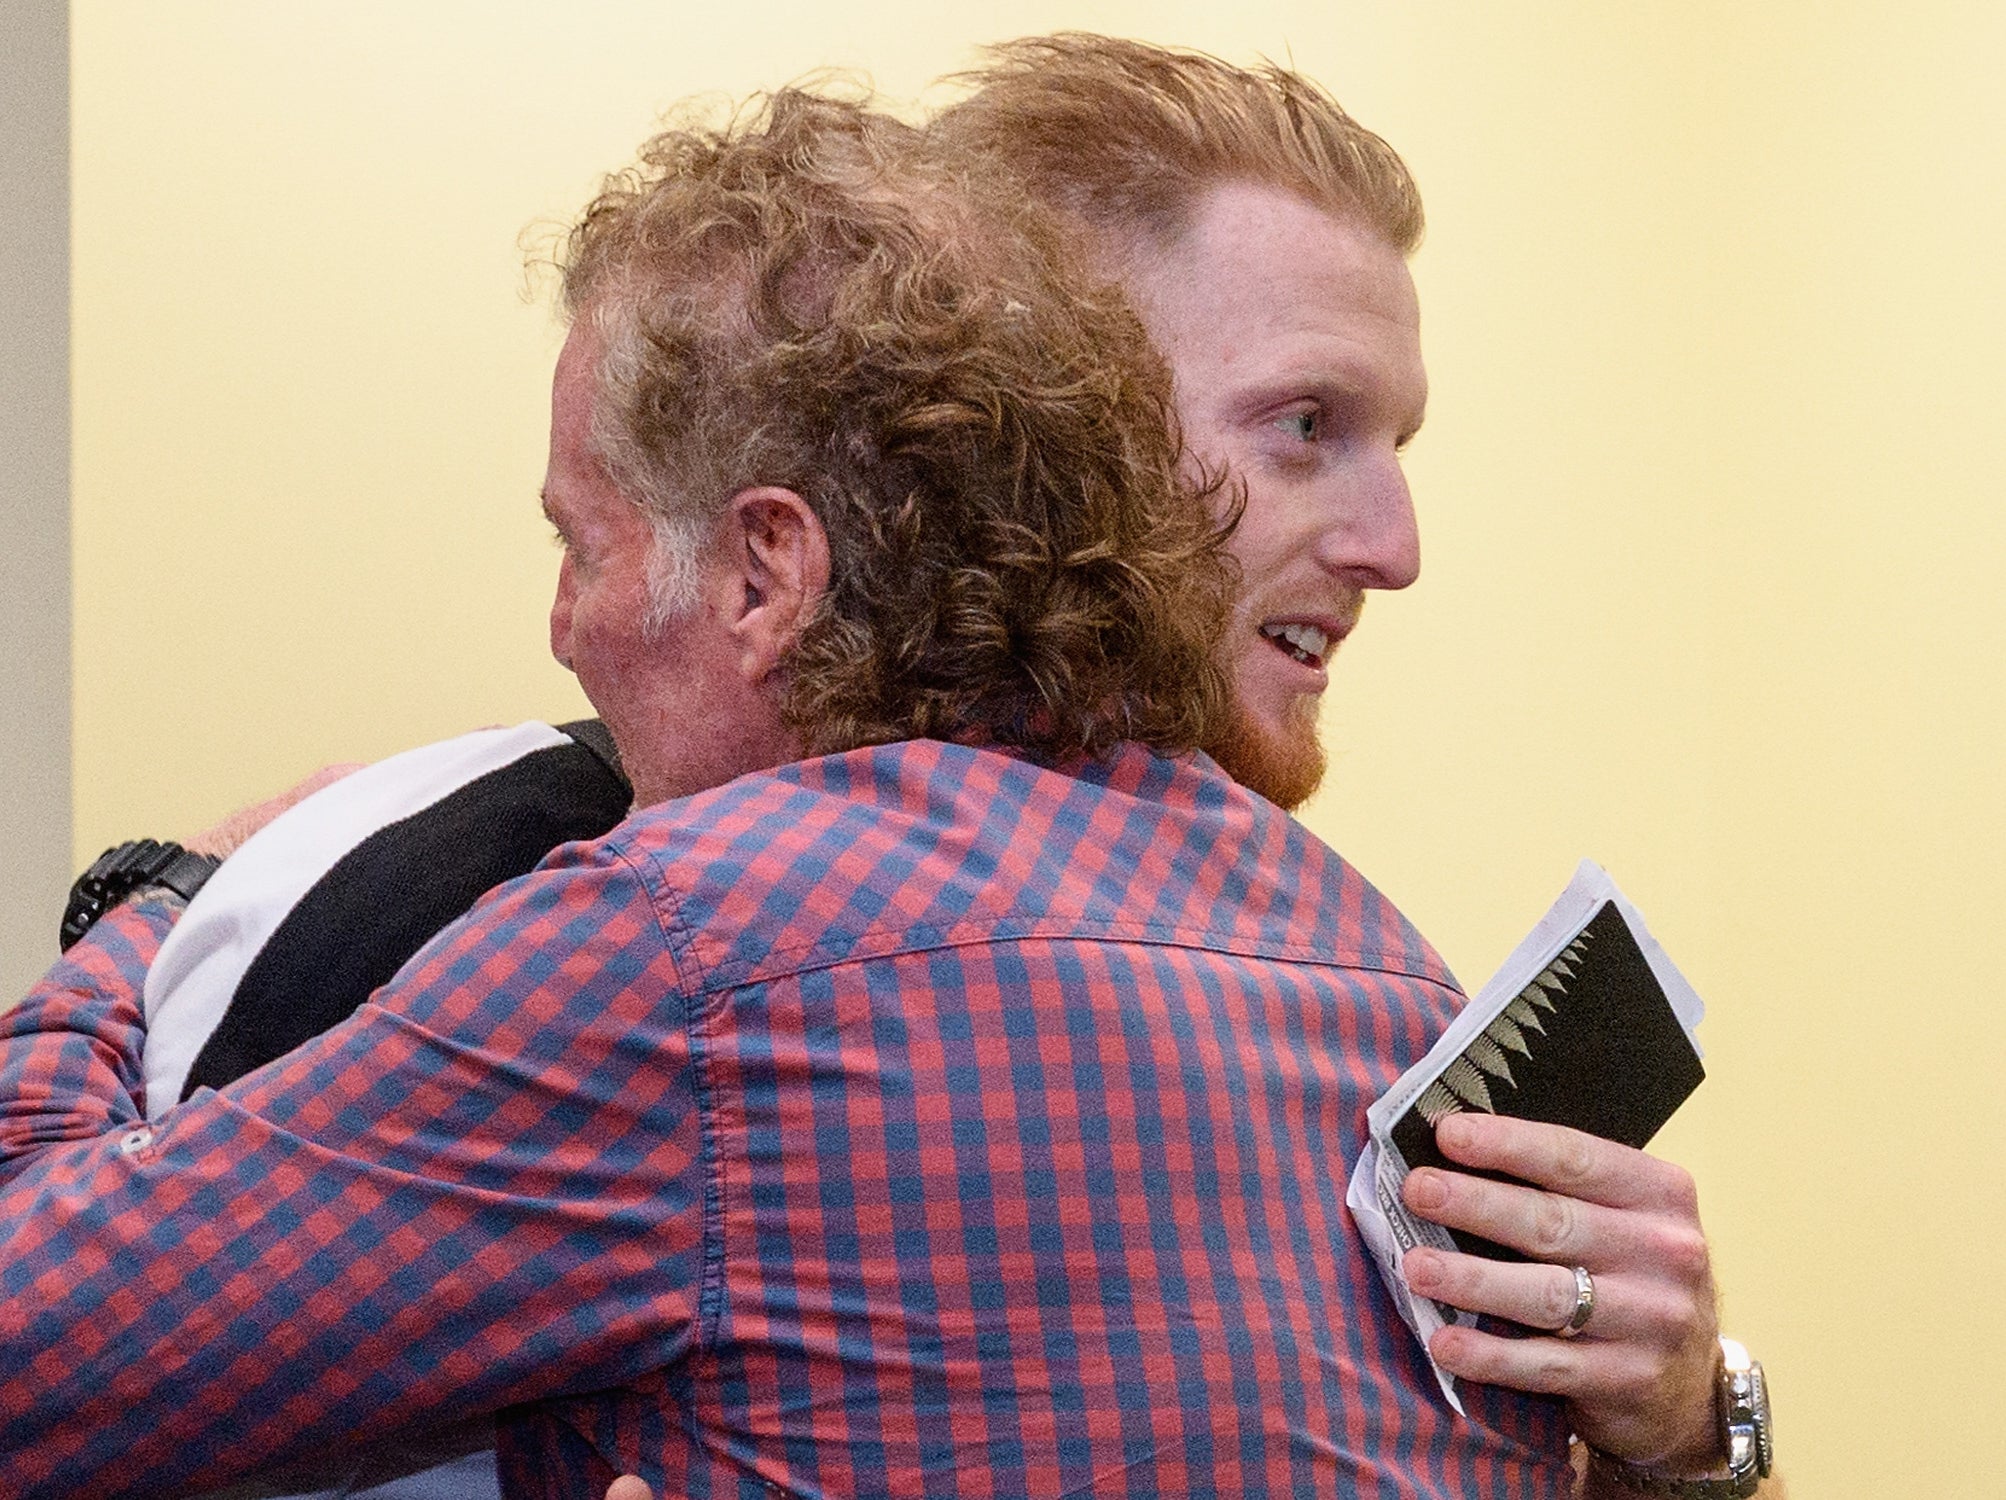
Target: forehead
{"type": "Point", "coordinates": [1264, 286]}
{"type": "Point", "coordinates": [572, 392]}
{"type": "Point", "coordinates": [575, 480]}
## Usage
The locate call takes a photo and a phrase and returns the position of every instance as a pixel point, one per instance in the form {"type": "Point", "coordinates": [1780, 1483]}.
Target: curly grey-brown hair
{"type": "Point", "coordinates": [813, 295]}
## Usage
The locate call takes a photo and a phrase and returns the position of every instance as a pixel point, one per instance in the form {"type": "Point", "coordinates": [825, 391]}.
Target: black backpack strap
{"type": "Point", "coordinates": [594, 736]}
{"type": "Point", "coordinates": [385, 898]}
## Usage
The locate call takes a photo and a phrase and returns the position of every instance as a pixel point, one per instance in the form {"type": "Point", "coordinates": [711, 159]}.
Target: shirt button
{"type": "Point", "coordinates": [135, 1140]}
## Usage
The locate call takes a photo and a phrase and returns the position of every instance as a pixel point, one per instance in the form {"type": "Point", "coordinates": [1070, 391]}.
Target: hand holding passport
{"type": "Point", "coordinates": [1588, 1024]}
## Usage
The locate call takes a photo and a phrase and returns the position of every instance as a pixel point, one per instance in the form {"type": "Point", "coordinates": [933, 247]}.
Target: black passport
{"type": "Point", "coordinates": [1591, 1042]}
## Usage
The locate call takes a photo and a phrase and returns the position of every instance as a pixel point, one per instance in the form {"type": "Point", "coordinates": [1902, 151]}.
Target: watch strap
{"type": "Point", "coordinates": [188, 872]}
{"type": "Point", "coordinates": [1644, 1480]}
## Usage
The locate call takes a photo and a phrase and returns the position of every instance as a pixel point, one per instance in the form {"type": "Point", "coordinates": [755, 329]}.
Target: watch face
{"type": "Point", "coordinates": [1765, 1439]}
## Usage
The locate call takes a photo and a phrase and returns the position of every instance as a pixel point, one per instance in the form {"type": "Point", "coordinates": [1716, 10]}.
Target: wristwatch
{"type": "Point", "coordinates": [120, 871]}
{"type": "Point", "coordinates": [1745, 1433]}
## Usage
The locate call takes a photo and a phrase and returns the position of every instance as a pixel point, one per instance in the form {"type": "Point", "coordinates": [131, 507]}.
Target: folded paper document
{"type": "Point", "coordinates": [1587, 1024]}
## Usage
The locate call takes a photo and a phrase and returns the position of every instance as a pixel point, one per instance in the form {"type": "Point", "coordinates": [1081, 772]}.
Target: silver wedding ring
{"type": "Point", "coordinates": [1584, 1304]}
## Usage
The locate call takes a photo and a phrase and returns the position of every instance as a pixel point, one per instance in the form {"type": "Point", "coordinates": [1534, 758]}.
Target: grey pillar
{"type": "Point", "coordinates": [34, 485]}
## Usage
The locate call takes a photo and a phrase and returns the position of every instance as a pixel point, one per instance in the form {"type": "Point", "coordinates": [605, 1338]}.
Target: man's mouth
{"type": "Point", "coordinates": [1308, 644]}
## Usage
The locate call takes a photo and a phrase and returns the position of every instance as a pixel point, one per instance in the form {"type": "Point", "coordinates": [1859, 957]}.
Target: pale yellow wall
{"type": "Point", "coordinates": [1710, 494]}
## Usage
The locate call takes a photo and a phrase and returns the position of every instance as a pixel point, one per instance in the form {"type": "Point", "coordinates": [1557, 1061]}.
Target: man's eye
{"type": "Point", "coordinates": [1304, 426]}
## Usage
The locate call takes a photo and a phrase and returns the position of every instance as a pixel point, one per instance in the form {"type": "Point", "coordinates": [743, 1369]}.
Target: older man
{"type": "Point", "coordinates": [952, 1109]}
{"type": "Point", "coordinates": [841, 455]}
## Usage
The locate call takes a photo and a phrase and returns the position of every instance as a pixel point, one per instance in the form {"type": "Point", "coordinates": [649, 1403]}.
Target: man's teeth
{"type": "Point", "coordinates": [1308, 642]}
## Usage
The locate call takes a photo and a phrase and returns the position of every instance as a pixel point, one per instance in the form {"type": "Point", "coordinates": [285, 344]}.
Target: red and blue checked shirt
{"type": "Point", "coordinates": [908, 1122]}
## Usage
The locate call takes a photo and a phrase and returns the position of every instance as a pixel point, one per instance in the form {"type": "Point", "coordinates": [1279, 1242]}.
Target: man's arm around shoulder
{"type": "Point", "coordinates": [245, 1276]}
{"type": "Point", "coordinates": [70, 1067]}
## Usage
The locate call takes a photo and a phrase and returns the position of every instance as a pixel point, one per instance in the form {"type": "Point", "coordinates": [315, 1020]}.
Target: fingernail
{"type": "Point", "coordinates": [1419, 1267]}
{"type": "Point", "coordinates": [1454, 1130]}
{"type": "Point", "coordinates": [1426, 1189]}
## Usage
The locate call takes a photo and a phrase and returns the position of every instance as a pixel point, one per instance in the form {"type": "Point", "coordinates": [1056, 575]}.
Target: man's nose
{"type": "Point", "coordinates": [1376, 542]}
{"type": "Point", "coordinates": [560, 617]}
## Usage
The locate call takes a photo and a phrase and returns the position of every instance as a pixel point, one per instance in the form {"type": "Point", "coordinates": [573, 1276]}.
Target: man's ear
{"type": "Point", "coordinates": [780, 557]}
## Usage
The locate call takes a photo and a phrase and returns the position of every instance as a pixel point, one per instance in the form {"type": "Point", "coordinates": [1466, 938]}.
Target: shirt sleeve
{"type": "Point", "coordinates": [70, 1051]}
{"type": "Point", "coordinates": [484, 1188]}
